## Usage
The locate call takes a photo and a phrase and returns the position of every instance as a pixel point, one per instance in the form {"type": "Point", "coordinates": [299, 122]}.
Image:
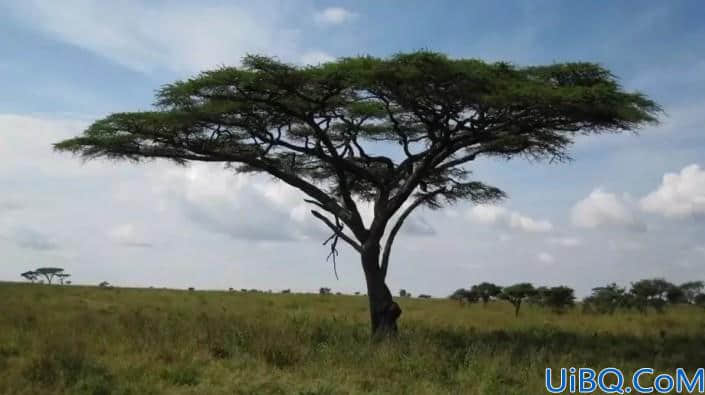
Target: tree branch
{"type": "Point", "coordinates": [400, 221]}
{"type": "Point", "coordinates": [337, 230]}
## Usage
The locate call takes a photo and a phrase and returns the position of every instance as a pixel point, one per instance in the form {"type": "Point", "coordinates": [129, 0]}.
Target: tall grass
{"type": "Point", "coordinates": [84, 340]}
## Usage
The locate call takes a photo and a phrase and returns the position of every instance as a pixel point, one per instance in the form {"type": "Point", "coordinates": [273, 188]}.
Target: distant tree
{"type": "Point", "coordinates": [68, 282]}
{"type": "Point", "coordinates": [324, 291]}
{"type": "Point", "coordinates": [676, 295]}
{"type": "Point", "coordinates": [699, 300]}
{"type": "Point", "coordinates": [30, 275]}
{"type": "Point", "coordinates": [243, 290]}
{"type": "Point", "coordinates": [49, 272]}
{"type": "Point", "coordinates": [286, 291]}
{"type": "Point", "coordinates": [650, 293]}
{"type": "Point", "coordinates": [486, 291]}
{"type": "Point", "coordinates": [692, 289]}
{"type": "Point", "coordinates": [357, 292]}
{"type": "Point", "coordinates": [558, 299]}
{"type": "Point", "coordinates": [230, 289]}
{"type": "Point", "coordinates": [463, 295]}
{"type": "Point", "coordinates": [191, 289]}
{"type": "Point", "coordinates": [62, 277]}
{"type": "Point", "coordinates": [539, 297]}
{"type": "Point", "coordinates": [424, 296]}
{"type": "Point", "coordinates": [607, 299]}
{"type": "Point", "coordinates": [516, 294]}
{"type": "Point", "coordinates": [104, 284]}
{"type": "Point", "coordinates": [403, 293]}
{"type": "Point", "coordinates": [398, 132]}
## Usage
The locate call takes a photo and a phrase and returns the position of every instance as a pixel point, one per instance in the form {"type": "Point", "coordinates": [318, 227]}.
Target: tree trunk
{"type": "Point", "coordinates": [516, 309]}
{"type": "Point", "coordinates": [384, 312]}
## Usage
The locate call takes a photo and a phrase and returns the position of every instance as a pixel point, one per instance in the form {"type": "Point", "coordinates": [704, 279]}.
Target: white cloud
{"type": "Point", "coordinates": [242, 206]}
{"type": "Point", "coordinates": [491, 214]}
{"type": "Point", "coordinates": [145, 36]}
{"type": "Point", "coordinates": [315, 58]}
{"type": "Point", "coordinates": [602, 208]}
{"type": "Point", "coordinates": [334, 16]}
{"type": "Point", "coordinates": [679, 195]}
{"type": "Point", "coordinates": [518, 221]}
{"type": "Point", "coordinates": [545, 257]}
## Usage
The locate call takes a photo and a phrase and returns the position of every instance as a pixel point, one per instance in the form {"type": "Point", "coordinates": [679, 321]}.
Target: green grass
{"type": "Point", "coordinates": [84, 340]}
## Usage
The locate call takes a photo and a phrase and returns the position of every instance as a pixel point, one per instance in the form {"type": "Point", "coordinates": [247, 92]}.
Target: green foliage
{"type": "Point", "coordinates": [516, 294]}
{"type": "Point", "coordinates": [278, 118]}
{"type": "Point", "coordinates": [650, 293]}
{"type": "Point", "coordinates": [691, 289]}
{"type": "Point", "coordinates": [464, 295]}
{"type": "Point", "coordinates": [558, 299]}
{"type": "Point", "coordinates": [486, 291]}
{"type": "Point", "coordinates": [607, 299]}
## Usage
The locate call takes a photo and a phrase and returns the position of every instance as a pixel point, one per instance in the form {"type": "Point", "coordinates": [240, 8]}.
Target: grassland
{"type": "Point", "coordinates": [84, 340]}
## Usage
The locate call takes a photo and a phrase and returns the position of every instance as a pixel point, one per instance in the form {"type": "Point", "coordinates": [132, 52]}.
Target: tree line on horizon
{"type": "Point", "coordinates": [655, 293]}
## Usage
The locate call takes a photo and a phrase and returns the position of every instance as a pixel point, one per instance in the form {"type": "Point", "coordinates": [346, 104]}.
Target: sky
{"type": "Point", "coordinates": [628, 206]}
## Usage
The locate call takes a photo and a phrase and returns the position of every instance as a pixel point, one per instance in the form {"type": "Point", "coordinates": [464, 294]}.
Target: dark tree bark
{"type": "Point", "coordinates": [384, 311]}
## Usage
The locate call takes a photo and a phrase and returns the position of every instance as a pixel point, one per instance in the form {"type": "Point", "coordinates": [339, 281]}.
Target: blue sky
{"type": "Point", "coordinates": [612, 214]}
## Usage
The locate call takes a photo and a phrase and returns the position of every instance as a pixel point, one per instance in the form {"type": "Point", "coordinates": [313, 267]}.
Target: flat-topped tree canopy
{"type": "Point", "coordinates": [49, 272]}
{"type": "Point", "coordinates": [386, 130]}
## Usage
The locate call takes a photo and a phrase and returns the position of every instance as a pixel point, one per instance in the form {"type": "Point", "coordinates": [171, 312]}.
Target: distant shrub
{"type": "Point", "coordinates": [424, 296]}
{"type": "Point", "coordinates": [191, 288]}
{"type": "Point", "coordinates": [286, 291]}
{"type": "Point", "coordinates": [324, 291]}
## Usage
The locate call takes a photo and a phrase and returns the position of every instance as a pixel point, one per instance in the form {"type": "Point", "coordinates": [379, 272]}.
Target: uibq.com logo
{"type": "Point", "coordinates": [612, 381]}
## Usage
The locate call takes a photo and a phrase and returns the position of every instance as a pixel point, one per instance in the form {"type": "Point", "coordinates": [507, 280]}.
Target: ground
{"type": "Point", "coordinates": [89, 340]}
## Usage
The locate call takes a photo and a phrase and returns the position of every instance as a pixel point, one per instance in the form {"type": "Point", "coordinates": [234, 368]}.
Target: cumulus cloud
{"type": "Point", "coordinates": [602, 208]}
{"type": "Point", "coordinates": [491, 214]}
{"type": "Point", "coordinates": [314, 58]}
{"type": "Point", "coordinates": [679, 195]}
{"type": "Point", "coordinates": [334, 16]}
{"type": "Point", "coordinates": [242, 206]}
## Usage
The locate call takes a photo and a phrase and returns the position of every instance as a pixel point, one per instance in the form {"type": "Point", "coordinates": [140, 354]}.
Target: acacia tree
{"type": "Point", "coordinates": [691, 289]}
{"type": "Point", "coordinates": [331, 131]}
{"type": "Point", "coordinates": [29, 275]}
{"type": "Point", "coordinates": [650, 293]}
{"type": "Point", "coordinates": [463, 295]}
{"type": "Point", "coordinates": [62, 277]}
{"type": "Point", "coordinates": [486, 291]}
{"type": "Point", "coordinates": [49, 272]}
{"type": "Point", "coordinates": [558, 299]}
{"type": "Point", "coordinates": [608, 298]}
{"type": "Point", "coordinates": [516, 294]}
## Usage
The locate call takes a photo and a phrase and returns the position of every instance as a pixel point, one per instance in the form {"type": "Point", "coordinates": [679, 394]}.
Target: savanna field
{"type": "Point", "coordinates": [89, 340]}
